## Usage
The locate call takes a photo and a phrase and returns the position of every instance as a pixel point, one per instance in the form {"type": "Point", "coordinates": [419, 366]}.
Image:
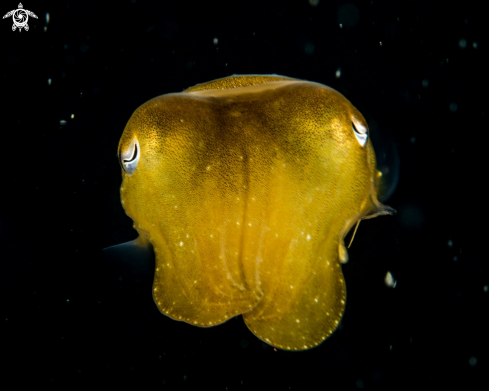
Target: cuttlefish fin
{"type": "Point", "coordinates": [382, 211]}
{"type": "Point", "coordinates": [136, 255]}
{"type": "Point", "coordinates": [378, 210]}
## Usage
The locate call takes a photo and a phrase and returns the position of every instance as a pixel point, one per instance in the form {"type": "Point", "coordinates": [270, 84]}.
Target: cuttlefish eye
{"type": "Point", "coordinates": [129, 156]}
{"type": "Point", "coordinates": [360, 132]}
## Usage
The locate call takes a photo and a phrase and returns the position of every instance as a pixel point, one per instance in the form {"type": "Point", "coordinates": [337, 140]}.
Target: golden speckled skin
{"type": "Point", "coordinates": [246, 187]}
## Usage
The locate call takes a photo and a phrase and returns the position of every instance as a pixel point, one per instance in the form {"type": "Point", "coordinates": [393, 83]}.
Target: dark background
{"type": "Point", "coordinates": [70, 317]}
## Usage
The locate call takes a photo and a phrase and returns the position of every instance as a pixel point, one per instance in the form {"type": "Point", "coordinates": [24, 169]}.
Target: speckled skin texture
{"type": "Point", "coordinates": [246, 187]}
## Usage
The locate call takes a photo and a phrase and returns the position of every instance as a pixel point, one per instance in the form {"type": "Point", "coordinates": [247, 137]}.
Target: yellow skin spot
{"type": "Point", "coordinates": [271, 150]}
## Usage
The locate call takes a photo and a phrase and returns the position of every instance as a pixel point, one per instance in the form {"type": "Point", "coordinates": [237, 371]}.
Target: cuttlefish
{"type": "Point", "coordinates": [245, 188]}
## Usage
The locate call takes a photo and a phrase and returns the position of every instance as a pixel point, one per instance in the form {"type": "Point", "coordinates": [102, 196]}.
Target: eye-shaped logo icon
{"type": "Point", "coordinates": [20, 16]}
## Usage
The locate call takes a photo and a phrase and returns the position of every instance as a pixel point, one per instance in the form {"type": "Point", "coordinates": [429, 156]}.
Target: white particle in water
{"type": "Point", "coordinates": [389, 280]}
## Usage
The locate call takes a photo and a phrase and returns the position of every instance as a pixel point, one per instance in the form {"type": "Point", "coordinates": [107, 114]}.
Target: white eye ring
{"type": "Point", "coordinates": [130, 157]}
{"type": "Point", "coordinates": [360, 132]}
